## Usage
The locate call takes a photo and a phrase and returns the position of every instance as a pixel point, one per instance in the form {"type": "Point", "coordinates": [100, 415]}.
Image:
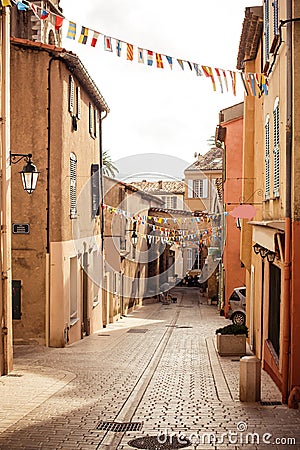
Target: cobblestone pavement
{"type": "Point", "coordinates": [157, 367]}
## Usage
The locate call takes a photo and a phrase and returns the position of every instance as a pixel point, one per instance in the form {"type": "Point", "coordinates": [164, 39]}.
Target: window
{"type": "Point", "coordinates": [200, 188]}
{"type": "Point", "coordinates": [266, 30]}
{"type": "Point", "coordinates": [95, 191]}
{"type": "Point", "coordinates": [73, 291]}
{"type": "Point", "coordinates": [71, 94]}
{"type": "Point", "coordinates": [73, 185]}
{"type": "Point", "coordinates": [171, 202]}
{"type": "Point", "coordinates": [276, 149]}
{"type": "Point", "coordinates": [16, 300]}
{"type": "Point", "coordinates": [93, 121]}
{"type": "Point", "coordinates": [267, 158]}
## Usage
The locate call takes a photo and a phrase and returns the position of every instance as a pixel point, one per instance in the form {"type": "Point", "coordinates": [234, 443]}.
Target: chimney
{"type": "Point", "coordinates": [160, 186]}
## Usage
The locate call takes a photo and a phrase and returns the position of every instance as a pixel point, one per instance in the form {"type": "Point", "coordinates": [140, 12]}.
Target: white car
{"type": "Point", "coordinates": [237, 306]}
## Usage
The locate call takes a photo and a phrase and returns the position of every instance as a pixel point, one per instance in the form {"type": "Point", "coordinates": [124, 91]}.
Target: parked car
{"type": "Point", "coordinates": [237, 306]}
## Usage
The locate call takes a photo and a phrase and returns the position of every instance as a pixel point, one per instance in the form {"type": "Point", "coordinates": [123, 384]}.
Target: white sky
{"type": "Point", "coordinates": [154, 110]}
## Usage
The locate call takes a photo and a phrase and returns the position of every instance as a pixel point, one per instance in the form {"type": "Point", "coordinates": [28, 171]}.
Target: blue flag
{"type": "Point", "coordinates": [21, 6]}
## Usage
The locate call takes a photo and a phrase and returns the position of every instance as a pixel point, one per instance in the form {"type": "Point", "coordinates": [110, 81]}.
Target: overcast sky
{"type": "Point", "coordinates": [170, 112]}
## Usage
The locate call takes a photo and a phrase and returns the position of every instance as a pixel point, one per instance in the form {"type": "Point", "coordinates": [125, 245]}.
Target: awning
{"type": "Point", "coordinates": [264, 233]}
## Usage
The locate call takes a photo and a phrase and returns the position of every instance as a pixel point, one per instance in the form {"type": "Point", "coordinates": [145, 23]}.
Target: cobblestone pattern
{"type": "Point", "coordinates": [169, 377]}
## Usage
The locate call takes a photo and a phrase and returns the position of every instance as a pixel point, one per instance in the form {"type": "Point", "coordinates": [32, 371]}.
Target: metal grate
{"type": "Point", "coordinates": [118, 427]}
{"type": "Point", "coordinates": [153, 443]}
{"type": "Point", "coordinates": [270, 403]}
{"type": "Point", "coordinates": [137, 330]}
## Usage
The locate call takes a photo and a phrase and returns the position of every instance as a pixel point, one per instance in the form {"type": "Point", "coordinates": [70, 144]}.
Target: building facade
{"type": "Point", "coordinates": [270, 244]}
{"type": "Point", "coordinates": [230, 133]}
{"type": "Point", "coordinates": [56, 114]}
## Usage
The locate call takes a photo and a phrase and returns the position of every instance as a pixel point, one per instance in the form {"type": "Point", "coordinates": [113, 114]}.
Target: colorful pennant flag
{"type": "Point", "coordinates": [21, 6]}
{"type": "Point", "coordinates": [149, 57]}
{"type": "Point", "coordinates": [71, 31]}
{"type": "Point", "coordinates": [225, 79]}
{"type": "Point", "coordinates": [107, 44]}
{"type": "Point", "coordinates": [159, 61]}
{"type": "Point", "coordinates": [5, 2]}
{"type": "Point", "coordinates": [44, 14]}
{"type": "Point", "coordinates": [264, 84]}
{"type": "Point", "coordinates": [252, 79]}
{"type": "Point", "coordinates": [34, 10]}
{"type": "Point", "coordinates": [233, 80]}
{"type": "Point", "coordinates": [83, 35]}
{"type": "Point", "coordinates": [58, 22]}
{"type": "Point", "coordinates": [220, 79]}
{"type": "Point", "coordinates": [118, 47]}
{"type": "Point", "coordinates": [170, 61]}
{"type": "Point", "coordinates": [140, 55]}
{"type": "Point", "coordinates": [129, 52]}
{"type": "Point", "coordinates": [209, 73]}
{"type": "Point", "coordinates": [244, 83]}
{"type": "Point", "coordinates": [198, 70]}
{"type": "Point", "coordinates": [180, 62]}
{"type": "Point", "coordinates": [190, 65]}
{"type": "Point", "coordinates": [95, 39]}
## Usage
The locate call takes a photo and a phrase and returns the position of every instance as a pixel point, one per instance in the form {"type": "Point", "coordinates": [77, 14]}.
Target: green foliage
{"type": "Point", "coordinates": [233, 329]}
{"type": "Point", "coordinates": [109, 168]}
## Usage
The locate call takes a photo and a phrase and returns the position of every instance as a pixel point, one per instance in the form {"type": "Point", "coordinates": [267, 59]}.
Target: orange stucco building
{"type": "Point", "coordinates": [230, 133]}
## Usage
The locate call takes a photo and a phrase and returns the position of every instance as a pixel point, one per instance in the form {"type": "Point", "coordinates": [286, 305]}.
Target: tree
{"type": "Point", "coordinates": [109, 168]}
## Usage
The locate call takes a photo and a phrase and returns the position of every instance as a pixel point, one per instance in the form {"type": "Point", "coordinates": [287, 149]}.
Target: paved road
{"type": "Point", "coordinates": [157, 367]}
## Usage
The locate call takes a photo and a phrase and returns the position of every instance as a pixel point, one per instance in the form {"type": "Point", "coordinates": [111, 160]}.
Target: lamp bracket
{"type": "Point", "coordinates": [17, 157]}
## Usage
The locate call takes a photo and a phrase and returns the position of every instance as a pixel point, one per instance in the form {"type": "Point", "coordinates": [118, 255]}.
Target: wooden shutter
{"type": "Point", "coordinates": [16, 300]}
{"type": "Point", "coordinates": [91, 117]}
{"type": "Point", "coordinates": [95, 123]}
{"type": "Point", "coordinates": [204, 188]}
{"type": "Point", "coordinates": [267, 158]}
{"type": "Point", "coordinates": [95, 191]}
{"type": "Point", "coordinates": [275, 17]}
{"type": "Point", "coordinates": [276, 150]}
{"type": "Point", "coordinates": [190, 189]}
{"type": "Point", "coordinates": [71, 94]}
{"type": "Point", "coordinates": [73, 185]}
{"type": "Point", "coordinates": [267, 29]}
{"type": "Point", "coordinates": [78, 103]}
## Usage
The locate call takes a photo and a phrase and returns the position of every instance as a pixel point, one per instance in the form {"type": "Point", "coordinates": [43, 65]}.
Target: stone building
{"type": "Point", "coordinates": [56, 114]}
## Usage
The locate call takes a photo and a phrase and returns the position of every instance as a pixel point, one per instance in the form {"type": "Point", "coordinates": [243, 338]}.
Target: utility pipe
{"type": "Point", "coordinates": [288, 210]}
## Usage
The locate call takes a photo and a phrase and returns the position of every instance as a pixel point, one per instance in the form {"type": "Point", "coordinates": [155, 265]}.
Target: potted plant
{"type": "Point", "coordinates": [231, 340]}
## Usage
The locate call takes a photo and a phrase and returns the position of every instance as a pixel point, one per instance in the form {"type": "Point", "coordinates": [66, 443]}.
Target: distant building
{"type": "Point", "coordinates": [171, 192]}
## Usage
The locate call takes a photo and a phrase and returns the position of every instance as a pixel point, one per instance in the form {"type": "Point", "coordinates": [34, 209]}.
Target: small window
{"type": "Point", "coordinates": [71, 94]}
{"type": "Point", "coordinates": [267, 158]}
{"type": "Point", "coordinates": [73, 185]}
{"type": "Point", "coordinates": [16, 300]}
{"type": "Point", "coordinates": [200, 188]}
{"type": "Point", "coordinates": [95, 184]}
{"type": "Point", "coordinates": [276, 149]}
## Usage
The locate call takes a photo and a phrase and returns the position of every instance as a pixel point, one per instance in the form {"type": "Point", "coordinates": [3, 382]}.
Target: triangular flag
{"type": "Point", "coordinates": [107, 44]}
{"type": "Point", "coordinates": [71, 30]}
{"type": "Point", "coordinates": [225, 79]}
{"type": "Point", "coordinates": [233, 80]}
{"type": "Point", "coordinates": [149, 57]}
{"type": "Point", "coordinates": [34, 10]}
{"type": "Point", "coordinates": [58, 22]}
{"type": "Point", "coordinates": [249, 83]}
{"type": "Point", "coordinates": [170, 61]}
{"type": "Point", "coordinates": [44, 14]}
{"type": "Point", "coordinates": [190, 65]}
{"type": "Point", "coordinates": [21, 6]}
{"type": "Point", "coordinates": [220, 79]}
{"type": "Point", "coordinates": [159, 62]}
{"type": "Point", "coordinates": [180, 62]}
{"type": "Point", "coordinates": [198, 70]}
{"type": "Point", "coordinates": [95, 39]}
{"type": "Point", "coordinates": [129, 52]}
{"type": "Point", "coordinates": [140, 55]}
{"type": "Point", "coordinates": [118, 47]}
{"type": "Point", "coordinates": [244, 82]}
{"type": "Point", "coordinates": [252, 83]}
{"type": "Point", "coordinates": [83, 35]}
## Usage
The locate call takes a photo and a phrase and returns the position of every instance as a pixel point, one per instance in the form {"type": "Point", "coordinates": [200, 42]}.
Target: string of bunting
{"type": "Point", "coordinates": [200, 238]}
{"type": "Point", "coordinates": [253, 83]}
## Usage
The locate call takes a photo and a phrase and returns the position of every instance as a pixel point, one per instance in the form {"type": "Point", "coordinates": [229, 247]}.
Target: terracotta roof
{"type": "Point", "coordinates": [250, 36]}
{"type": "Point", "coordinates": [72, 62]}
{"type": "Point", "coordinates": [160, 187]}
{"type": "Point", "coordinates": [212, 160]}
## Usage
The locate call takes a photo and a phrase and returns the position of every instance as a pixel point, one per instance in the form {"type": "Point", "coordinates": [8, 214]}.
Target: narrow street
{"type": "Point", "coordinates": [157, 367]}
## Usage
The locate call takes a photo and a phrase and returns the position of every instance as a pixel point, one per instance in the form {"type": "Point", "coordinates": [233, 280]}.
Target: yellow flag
{"type": "Point", "coordinates": [5, 2]}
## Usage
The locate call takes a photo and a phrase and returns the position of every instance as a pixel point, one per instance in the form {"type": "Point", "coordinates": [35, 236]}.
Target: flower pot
{"type": "Point", "coordinates": [231, 345]}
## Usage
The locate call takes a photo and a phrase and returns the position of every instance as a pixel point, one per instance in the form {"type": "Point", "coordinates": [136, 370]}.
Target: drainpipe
{"type": "Point", "coordinates": [6, 350]}
{"type": "Point", "coordinates": [288, 210]}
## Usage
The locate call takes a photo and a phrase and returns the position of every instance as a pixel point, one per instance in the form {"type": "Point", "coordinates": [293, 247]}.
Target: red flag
{"type": "Point", "coordinates": [58, 22]}
{"type": "Point", "coordinates": [159, 62]}
{"type": "Point", "coordinates": [130, 52]}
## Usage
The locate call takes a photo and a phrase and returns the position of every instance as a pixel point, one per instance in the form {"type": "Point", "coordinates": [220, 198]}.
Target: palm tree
{"type": "Point", "coordinates": [108, 167]}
